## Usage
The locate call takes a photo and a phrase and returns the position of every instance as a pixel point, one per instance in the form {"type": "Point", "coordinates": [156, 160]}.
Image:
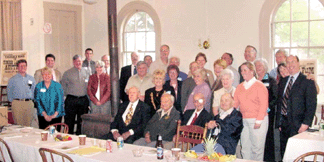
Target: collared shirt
{"type": "Point", "coordinates": [248, 84]}
{"type": "Point", "coordinates": [49, 99]}
{"type": "Point", "coordinates": [132, 69]}
{"type": "Point", "coordinates": [158, 64]}
{"type": "Point", "coordinates": [107, 70]}
{"type": "Point", "coordinates": [75, 82]}
{"type": "Point", "coordinates": [164, 112]}
{"type": "Point", "coordinates": [223, 114]}
{"type": "Point", "coordinates": [193, 115]}
{"type": "Point", "coordinates": [20, 87]}
{"type": "Point", "coordinates": [294, 79]}
{"type": "Point", "coordinates": [142, 84]}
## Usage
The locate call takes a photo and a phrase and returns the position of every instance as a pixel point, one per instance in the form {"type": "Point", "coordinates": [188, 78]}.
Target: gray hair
{"type": "Point", "coordinates": [168, 95]}
{"type": "Point", "coordinates": [100, 64]}
{"type": "Point", "coordinates": [264, 62]}
{"type": "Point", "coordinates": [76, 57]}
{"type": "Point", "coordinates": [283, 51]}
{"type": "Point", "coordinates": [133, 87]}
{"type": "Point", "coordinates": [140, 63]}
{"type": "Point", "coordinates": [227, 72]}
{"type": "Point", "coordinates": [202, 72]}
{"type": "Point", "coordinates": [174, 57]}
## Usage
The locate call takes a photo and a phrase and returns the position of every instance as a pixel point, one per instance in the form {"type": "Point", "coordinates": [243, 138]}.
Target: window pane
{"type": "Point", "coordinates": [316, 10]}
{"type": "Point", "coordinates": [299, 34]}
{"type": "Point", "coordinates": [283, 13]}
{"type": "Point", "coordinates": [150, 23]}
{"type": "Point", "coordinates": [150, 39]}
{"type": "Point", "coordinates": [130, 43]}
{"type": "Point", "coordinates": [282, 35]}
{"type": "Point", "coordinates": [140, 21]}
{"type": "Point", "coordinates": [300, 52]}
{"type": "Point", "coordinates": [316, 33]}
{"type": "Point", "coordinates": [299, 9]}
{"type": "Point", "coordinates": [128, 58]}
{"type": "Point", "coordinates": [317, 53]}
{"type": "Point", "coordinates": [130, 26]}
{"type": "Point", "coordinates": [320, 82]}
{"type": "Point", "coordinates": [140, 41]}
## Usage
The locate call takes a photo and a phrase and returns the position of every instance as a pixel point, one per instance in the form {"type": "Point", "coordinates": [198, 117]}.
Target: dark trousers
{"type": "Point", "coordinates": [43, 123]}
{"type": "Point", "coordinates": [286, 132]}
{"type": "Point", "coordinates": [75, 107]}
{"type": "Point", "coordinates": [269, 149]}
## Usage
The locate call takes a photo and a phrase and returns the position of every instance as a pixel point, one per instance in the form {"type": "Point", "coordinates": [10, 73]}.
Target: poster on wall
{"type": "Point", "coordinates": [309, 67]}
{"type": "Point", "coordinates": [8, 64]}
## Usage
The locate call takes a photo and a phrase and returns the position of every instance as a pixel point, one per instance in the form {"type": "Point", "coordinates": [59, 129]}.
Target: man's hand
{"type": "Point", "coordinates": [257, 126]}
{"type": "Point", "coordinates": [147, 137]}
{"type": "Point", "coordinates": [303, 128]}
{"type": "Point", "coordinates": [211, 124]}
{"type": "Point", "coordinates": [126, 135]}
{"type": "Point", "coordinates": [280, 129]}
{"type": "Point", "coordinates": [116, 135]}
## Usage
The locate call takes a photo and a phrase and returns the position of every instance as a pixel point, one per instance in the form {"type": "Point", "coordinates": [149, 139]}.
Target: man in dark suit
{"type": "Point", "coordinates": [296, 103]}
{"type": "Point", "coordinates": [131, 118]}
{"type": "Point", "coordinates": [125, 74]}
{"type": "Point", "coordinates": [230, 122]}
{"type": "Point", "coordinates": [88, 63]}
{"type": "Point", "coordinates": [198, 116]}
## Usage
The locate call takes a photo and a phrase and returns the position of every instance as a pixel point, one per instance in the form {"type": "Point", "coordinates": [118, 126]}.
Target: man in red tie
{"type": "Point", "coordinates": [199, 116]}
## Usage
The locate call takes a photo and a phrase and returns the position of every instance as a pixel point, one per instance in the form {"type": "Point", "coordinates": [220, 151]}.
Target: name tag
{"type": "Point", "coordinates": [86, 80]}
{"type": "Point", "coordinates": [42, 90]}
{"type": "Point", "coordinates": [266, 84]}
{"type": "Point", "coordinates": [30, 82]}
{"type": "Point", "coordinates": [168, 92]}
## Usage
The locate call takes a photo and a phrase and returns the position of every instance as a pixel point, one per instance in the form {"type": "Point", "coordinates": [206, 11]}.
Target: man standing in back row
{"type": "Point", "coordinates": [74, 82]}
{"type": "Point", "coordinates": [88, 63]}
{"type": "Point", "coordinates": [163, 62]}
{"type": "Point", "coordinates": [50, 63]}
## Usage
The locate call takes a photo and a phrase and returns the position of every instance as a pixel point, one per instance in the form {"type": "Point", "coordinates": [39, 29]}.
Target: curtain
{"type": "Point", "coordinates": [10, 25]}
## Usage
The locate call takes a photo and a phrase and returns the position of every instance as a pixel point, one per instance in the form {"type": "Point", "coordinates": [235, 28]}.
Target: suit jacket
{"type": "Point", "coordinates": [301, 104]}
{"type": "Point", "coordinates": [125, 74]}
{"type": "Point", "coordinates": [177, 102]}
{"type": "Point", "coordinates": [166, 126]}
{"type": "Point", "coordinates": [92, 65]}
{"type": "Point", "coordinates": [38, 75]}
{"type": "Point", "coordinates": [139, 120]}
{"type": "Point", "coordinates": [231, 128]}
{"type": "Point", "coordinates": [105, 90]}
{"type": "Point", "coordinates": [202, 119]}
{"type": "Point", "coordinates": [187, 87]}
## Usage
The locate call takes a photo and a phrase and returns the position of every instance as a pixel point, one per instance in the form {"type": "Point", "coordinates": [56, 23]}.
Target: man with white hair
{"type": "Point", "coordinates": [125, 73]}
{"type": "Point", "coordinates": [105, 59]}
{"type": "Point", "coordinates": [176, 61]}
{"type": "Point", "coordinates": [281, 56]}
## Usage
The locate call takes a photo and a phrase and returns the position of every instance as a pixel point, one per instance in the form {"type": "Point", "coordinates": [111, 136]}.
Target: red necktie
{"type": "Point", "coordinates": [194, 119]}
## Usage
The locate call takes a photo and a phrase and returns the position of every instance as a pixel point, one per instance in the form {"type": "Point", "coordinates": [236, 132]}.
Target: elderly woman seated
{"type": "Point", "coordinates": [230, 122]}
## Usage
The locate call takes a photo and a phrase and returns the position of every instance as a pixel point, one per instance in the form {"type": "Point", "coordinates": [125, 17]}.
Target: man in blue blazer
{"type": "Point", "coordinates": [297, 100]}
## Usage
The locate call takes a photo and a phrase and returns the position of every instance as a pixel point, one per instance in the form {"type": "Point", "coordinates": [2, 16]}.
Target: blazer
{"type": "Point", "coordinates": [271, 84]}
{"type": "Point", "coordinates": [92, 65]}
{"type": "Point", "coordinates": [202, 119]}
{"type": "Point", "coordinates": [301, 104]}
{"type": "Point", "coordinates": [105, 90]}
{"type": "Point", "coordinates": [38, 75]}
{"type": "Point", "coordinates": [231, 128]}
{"type": "Point", "coordinates": [139, 120]}
{"type": "Point", "coordinates": [152, 96]}
{"type": "Point", "coordinates": [165, 126]}
{"type": "Point", "coordinates": [177, 102]}
{"type": "Point", "coordinates": [125, 74]}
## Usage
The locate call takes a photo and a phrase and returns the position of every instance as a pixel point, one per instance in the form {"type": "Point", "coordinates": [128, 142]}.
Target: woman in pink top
{"type": "Point", "coordinates": [251, 98]}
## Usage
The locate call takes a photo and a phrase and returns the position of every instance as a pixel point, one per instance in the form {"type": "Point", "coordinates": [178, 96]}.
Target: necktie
{"type": "Point", "coordinates": [135, 71]}
{"type": "Point", "coordinates": [129, 115]}
{"type": "Point", "coordinates": [89, 67]}
{"type": "Point", "coordinates": [285, 97]}
{"type": "Point", "coordinates": [194, 119]}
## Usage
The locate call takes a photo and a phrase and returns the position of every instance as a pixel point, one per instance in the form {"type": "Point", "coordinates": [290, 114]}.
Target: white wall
{"type": "Point", "coordinates": [230, 25]}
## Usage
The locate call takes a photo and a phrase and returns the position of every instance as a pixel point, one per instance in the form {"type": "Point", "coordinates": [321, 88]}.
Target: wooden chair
{"type": "Point", "coordinates": [44, 151]}
{"type": "Point", "coordinates": [189, 135]}
{"type": "Point", "coordinates": [64, 128]}
{"type": "Point", "coordinates": [322, 113]}
{"type": "Point", "coordinates": [3, 151]}
{"type": "Point", "coordinates": [314, 153]}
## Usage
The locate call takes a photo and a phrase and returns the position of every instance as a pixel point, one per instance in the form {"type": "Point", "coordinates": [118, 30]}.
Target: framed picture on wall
{"type": "Point", "coordinates": [308, 67]}
{"type": "Point", "coordinates": [8, 64]}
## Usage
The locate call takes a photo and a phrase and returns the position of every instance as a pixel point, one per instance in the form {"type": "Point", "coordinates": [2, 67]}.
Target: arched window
{"type": "Point", "coordinates": [139, 36]}
{"type": "Point", "coordinates": [297, 26]}
{"type": "Point", "coordinates": [139, 30]}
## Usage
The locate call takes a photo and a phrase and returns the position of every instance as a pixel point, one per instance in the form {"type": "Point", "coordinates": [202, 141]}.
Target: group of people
{"type": "Point", "coordinates": [245, 103]}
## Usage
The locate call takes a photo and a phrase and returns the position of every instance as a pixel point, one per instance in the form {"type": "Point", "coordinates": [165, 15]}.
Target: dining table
{"type": "Point", "coordinates": [302, 143]}
{"type": "Point", "coordinates": [24, 144]}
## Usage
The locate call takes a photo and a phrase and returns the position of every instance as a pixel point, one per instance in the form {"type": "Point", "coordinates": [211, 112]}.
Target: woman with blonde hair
{"type": "Point", "coordinates": [153, 95]}
{"type": "Point", "coordinates": [49, 98]}
{"type": "Point", "coordinates": [251, 98]}
{"type": "Point", "coordinates": [219, 66]}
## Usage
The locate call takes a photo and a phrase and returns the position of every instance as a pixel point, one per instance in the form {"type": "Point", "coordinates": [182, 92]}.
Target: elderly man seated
{"type": "Point", "coordinates": [163, 122]}
{"type": "Point", "coordinates": [230, 122]}
{"type": "Point", "coordinates": [131, 118]}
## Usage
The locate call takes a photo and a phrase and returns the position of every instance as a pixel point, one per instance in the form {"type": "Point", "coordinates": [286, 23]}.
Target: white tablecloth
{"type": "Point", "coordinates": [303, 143]}
{"type": "Point", "coordinates": [24, 147]}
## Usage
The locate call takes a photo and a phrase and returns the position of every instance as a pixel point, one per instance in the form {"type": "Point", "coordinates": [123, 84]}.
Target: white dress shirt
{"type": "Point", "coordinates": [193, 115]}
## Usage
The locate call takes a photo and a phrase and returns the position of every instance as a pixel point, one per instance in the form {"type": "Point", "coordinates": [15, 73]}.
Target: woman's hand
{"type": "Point", "coordinates": [48, 118]}
{"type": "Point", "coordinates": [98, 103]}
{"type": "Point", "coordinates": [257, 126]}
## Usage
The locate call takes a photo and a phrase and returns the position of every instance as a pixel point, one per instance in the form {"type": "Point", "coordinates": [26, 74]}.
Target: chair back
{"type": "Point", "coordinates": [44, 151]}
{"type": "Point", "coordinates": [314, 153]}
{"type": "Point", "coordinates": [189, 135]}
{"type": "Point", "coordinates": [64, 128]}
{"type": "Point", "coordinates": [3, 151]}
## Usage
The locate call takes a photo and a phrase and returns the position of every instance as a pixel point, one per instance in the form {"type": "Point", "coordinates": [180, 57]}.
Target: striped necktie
{"type": "Point", "coordinates": [285, 97]}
